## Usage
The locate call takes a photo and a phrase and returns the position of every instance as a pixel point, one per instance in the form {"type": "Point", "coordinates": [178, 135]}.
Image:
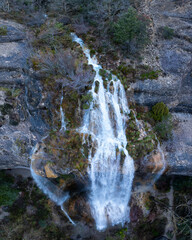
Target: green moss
{"type": "Point", "coordinates": [86, 100]}
{"type": "Point", "coordinates": [96, 86]}
{"type": "Point", "coordinates": [3, 31]}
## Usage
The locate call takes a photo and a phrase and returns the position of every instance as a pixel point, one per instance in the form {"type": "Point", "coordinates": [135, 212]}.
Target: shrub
{"type": "Point", "coordinates": [164, 128]}
{"type": "Point", "coordinates": [167, 32]}
{"type": "Point", "coordinates": [3, 31]}
{"type": "Point", "coordinates": [150, 75]}
{"type": "Point", "coordinates": [159, 111]}
{"type": "Point", "coordinates": [130, 31]}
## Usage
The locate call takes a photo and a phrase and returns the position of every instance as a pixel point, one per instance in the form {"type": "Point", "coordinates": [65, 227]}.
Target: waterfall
{"type": "Point", "coordinates": [111, 169]}
{"type": "Point", "coordinates": [161, 171]}
{"type": "Point", "coordinates": [63, 123]}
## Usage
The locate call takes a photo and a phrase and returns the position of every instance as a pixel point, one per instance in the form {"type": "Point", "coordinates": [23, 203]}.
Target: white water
{"type": "Point", "coordinates": [111, 177]}
{"type": "Point", "coordinates": [57, 195]}
{"type": "Point", "coordinates": [161, 171]}
{"type": "Point", "coordinates": [63, 123]}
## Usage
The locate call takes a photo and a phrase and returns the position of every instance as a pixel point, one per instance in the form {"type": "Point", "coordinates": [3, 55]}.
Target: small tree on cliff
{"type": "Point", "coordinates": [131, 31]}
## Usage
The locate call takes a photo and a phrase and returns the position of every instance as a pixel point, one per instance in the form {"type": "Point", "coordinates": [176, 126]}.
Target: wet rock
{"type": "Point", "coordinates": [155, 163]}
{"type": "Point", "coordinates": [79, 209]}
{"type": "Point", "coordinates": [135, 213]}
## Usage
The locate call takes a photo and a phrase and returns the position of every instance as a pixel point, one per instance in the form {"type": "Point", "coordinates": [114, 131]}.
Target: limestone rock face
{"type": "Point", "coordinates": [20, 120]}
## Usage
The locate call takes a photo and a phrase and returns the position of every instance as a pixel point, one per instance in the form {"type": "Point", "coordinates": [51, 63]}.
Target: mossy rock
{"type": "Point", "coordinates": [67, 150]}
{"type": "Point", "coordinates": [86, 100]}
{"type": "Point", "coordinates": [138, 148]}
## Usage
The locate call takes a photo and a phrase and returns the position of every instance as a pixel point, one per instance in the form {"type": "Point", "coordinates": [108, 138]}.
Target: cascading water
{"type": "Point", "coordinates": [63, 123]}
{"type": "Point", "coordinates": [111, 168]}
{"type": "Point", "coordinates": [162, 170]}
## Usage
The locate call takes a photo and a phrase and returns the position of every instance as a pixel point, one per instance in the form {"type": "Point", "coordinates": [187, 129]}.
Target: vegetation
{"type": "Point", "coordinates": [167, 32]}
{"type": "Point", "coordinates": [162, 121]}
{"type": "Point", "coordinates": [8, 194]}
{"type": "Point", "coordinates": [86, 100]}
{"type": "Point", "coordinates": [3, 31]}
{"type": "Point", "coordinates": [138, 147]}
{"type": "Point", "coordinates": [159, 111]}
{"type": "Point", "coordinates": [164, 127]}
{"type": "Point", "coordinates": [150, 75]}
{"type": "Point", "coordinates": [130, 31]}
{"type": "Point", "coordinates": [67, 150]}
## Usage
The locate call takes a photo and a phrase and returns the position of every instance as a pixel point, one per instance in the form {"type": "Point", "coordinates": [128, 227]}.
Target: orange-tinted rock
{"type": "Point", "coordinates": [155, 163]}
{"type": "Point", "coordinates": [49, 172]}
